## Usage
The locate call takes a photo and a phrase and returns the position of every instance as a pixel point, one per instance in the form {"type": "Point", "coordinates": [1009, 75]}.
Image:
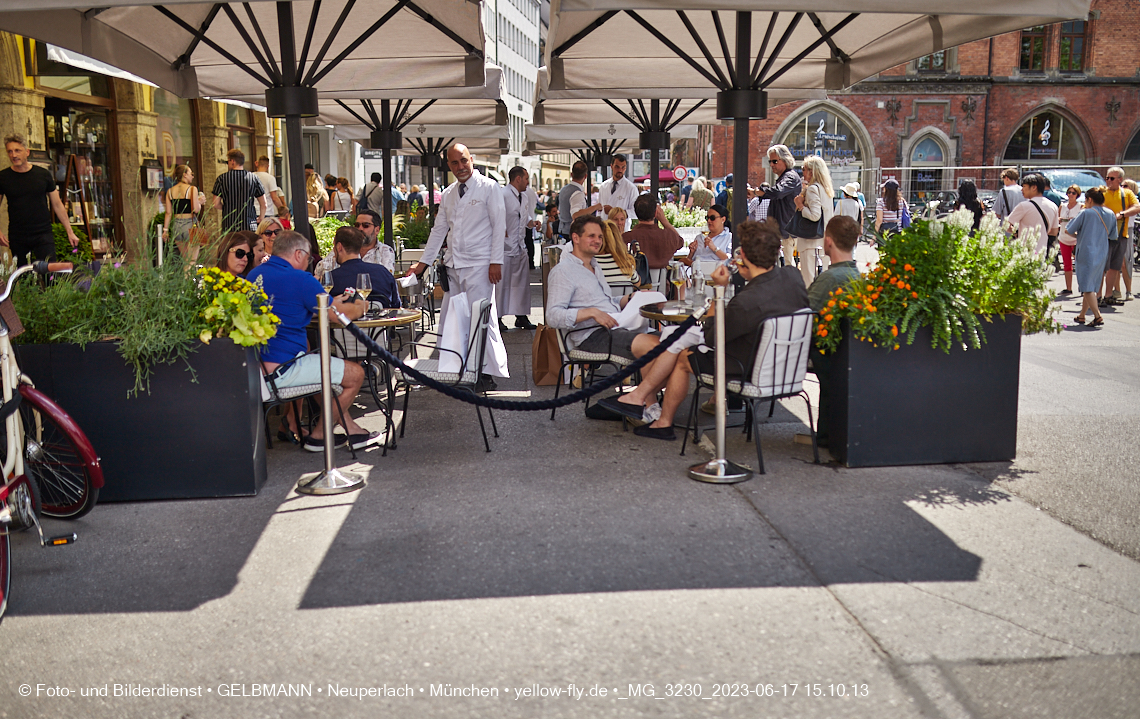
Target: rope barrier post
{"type": "Point", "coordinates": [719, 470]}
{"type": "Point", "coordinates": [331, 480]}
{"type": "Point", "coordinates": [159, 230]}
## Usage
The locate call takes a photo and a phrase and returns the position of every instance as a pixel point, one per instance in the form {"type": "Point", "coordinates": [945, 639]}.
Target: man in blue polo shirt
{"type": "Point", "coordinates": [293, 293]}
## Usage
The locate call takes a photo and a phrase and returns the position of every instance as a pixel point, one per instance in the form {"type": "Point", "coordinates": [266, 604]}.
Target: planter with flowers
{"type": "Point", "coordinates": [923, 351]}
{"type": "Point", "coordinates": [158, 365]}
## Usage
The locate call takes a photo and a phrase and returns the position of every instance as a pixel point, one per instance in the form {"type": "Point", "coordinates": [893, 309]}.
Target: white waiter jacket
{"type": "Point", "coordinates": [517, 215]}
{"type": "Point", "coordinates": [620, 194]}
{"type": "Point", "coordinates": [474, 225]}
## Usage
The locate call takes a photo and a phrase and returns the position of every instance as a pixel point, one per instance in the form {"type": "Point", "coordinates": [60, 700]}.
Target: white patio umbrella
{"type": "Point", "coordinates": [667, 44]}
{"type": "Point", "coordinates": [273, 53]}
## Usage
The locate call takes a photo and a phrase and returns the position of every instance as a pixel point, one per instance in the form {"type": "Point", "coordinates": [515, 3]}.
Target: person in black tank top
{"type": "Point", "coordinates": [182, 210]}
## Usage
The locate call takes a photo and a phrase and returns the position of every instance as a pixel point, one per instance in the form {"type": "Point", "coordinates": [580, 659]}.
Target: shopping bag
{"type": "Point", "coordinates": [545, 357]}
{"type": "Point", "coordinates": [455, 333]}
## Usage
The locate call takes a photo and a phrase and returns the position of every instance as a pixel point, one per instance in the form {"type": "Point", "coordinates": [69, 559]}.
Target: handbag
{"type": "Point", "coordinates": [799, 226]}
{"type": "Point", "coordinates": [546, 360]}
{"type": "Point", "coordinates": [641, 266]}
{"type": "Point", "coordinates": [904, 217]}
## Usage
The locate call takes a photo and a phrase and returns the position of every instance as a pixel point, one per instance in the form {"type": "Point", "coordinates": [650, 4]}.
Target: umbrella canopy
{"type": "Point", "coordinates": [555, 138]}
{"type": "Point", "coordinates": [665, 176]}
{"type": "Point", "coordinates": [234, 50]}
{"type": "Point", "coordinates": [670, 44]}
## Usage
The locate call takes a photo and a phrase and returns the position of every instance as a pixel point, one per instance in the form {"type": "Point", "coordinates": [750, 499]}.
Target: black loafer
{"type": "Point", "coordinates": [629, 411]}
{"type": "Point", "coordinates": [665, 433]}
{"type": "Point", "coordinates": [525, 324]}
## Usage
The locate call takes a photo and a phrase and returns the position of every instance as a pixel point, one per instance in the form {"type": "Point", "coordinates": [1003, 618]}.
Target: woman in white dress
{"type": "Point", "coordinates": [814, 202]}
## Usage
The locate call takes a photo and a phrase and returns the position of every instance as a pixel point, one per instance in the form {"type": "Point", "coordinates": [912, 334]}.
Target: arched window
{"type": "Point", "coordinates": [820, 131]}
{"type": "Point", "coordinates": [1132, 154]}
{"type": "Point", "coordinates": [927, 157]}
{"type": "Point", "coordinates": [1045, 137]}
{"type": "Point", "coordinates": [927, 151]}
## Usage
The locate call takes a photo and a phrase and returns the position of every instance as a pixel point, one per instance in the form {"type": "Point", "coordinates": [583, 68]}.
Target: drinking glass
{"type": "Point", "coordinates": [364, 285]}
{"type": "Point", "coordinates": [327, 281]}
{"type": "Point", "coordinates": [677, 277]}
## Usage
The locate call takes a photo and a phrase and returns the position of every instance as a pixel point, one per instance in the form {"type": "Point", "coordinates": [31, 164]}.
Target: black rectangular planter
{"type": "Point", "coordinates": [920, 405]}
{"type": "Point", "coordinates": [183, 440]}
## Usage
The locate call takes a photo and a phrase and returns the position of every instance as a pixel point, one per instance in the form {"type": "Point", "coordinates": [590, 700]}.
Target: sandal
{"type": "Point", "coordinates": [1079, 320]}
{"type": "Point", "coordinates": [1097, 322]}
{"type": "Point", "coordinates": [287, 435]}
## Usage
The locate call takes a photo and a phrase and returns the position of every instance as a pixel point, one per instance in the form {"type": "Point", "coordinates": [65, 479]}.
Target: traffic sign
{"type": "Point", "coordinates": [720, 186]}
{"type": "Point", "coordinates": [680, 172]}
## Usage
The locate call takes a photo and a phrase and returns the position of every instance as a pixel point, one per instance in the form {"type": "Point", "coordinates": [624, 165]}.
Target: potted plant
{"type": "Point", "coordinates": [924, 349]}
{"type": "Point", "coordinates": [413, 231]}
{"type": "Point", "coordinates": [158, 365]}
{"type": "Point", "coordinates": [689, 222]}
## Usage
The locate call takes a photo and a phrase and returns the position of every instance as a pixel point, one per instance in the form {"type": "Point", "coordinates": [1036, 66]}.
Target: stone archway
{"type": "Point", "coordinates": [844, 167]}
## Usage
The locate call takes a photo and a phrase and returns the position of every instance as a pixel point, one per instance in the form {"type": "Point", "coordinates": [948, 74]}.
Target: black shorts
{"type": "Point", "coordinates": [40, 248]}
{"type": "Point", "coordinates": [616, 341]}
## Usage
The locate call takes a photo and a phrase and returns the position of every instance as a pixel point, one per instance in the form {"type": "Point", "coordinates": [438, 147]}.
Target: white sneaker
{"type": "Point", "coordinates": [1116, 295]}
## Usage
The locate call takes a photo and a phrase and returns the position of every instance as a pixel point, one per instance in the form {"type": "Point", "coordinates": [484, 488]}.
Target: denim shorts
{"type": "Point", "coordinates": [307, 370]}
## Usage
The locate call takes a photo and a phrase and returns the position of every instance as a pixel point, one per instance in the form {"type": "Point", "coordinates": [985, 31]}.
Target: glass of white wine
{"type": "Point", "coordinates": [364, 287]}
{"type": "Point", "coordinates": [327, 281]}
{"type": "Point", "coordinates": [677, 277]}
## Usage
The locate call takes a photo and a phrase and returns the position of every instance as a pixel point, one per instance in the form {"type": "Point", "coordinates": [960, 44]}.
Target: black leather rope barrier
{"type": "Point", "coordinates": [528, 405]}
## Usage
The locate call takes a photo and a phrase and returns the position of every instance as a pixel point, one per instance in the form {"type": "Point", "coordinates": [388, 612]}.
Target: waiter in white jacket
{"type": "Point", "coordinates": [619, 191]}
{"type": "Point", "coordinates": [513, 293]}
{"type": "Point", "coordinates": [472, 220]}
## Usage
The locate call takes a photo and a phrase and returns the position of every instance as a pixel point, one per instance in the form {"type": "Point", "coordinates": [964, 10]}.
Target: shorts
{"type": "Point", "coordinates": [1117, 251]}
{"type": "Point", "coordinates": [705, 363]}
{"type": "Point", "coordinates": [42, 248]}
{"type": "Point", "coordinates": [616, 342]}
{"type": "Point", "coordinates": [307, 370]}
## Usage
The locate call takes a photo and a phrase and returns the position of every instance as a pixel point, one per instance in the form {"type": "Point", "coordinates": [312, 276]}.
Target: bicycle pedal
{"type": "Point", "coordinates": [62, 540]}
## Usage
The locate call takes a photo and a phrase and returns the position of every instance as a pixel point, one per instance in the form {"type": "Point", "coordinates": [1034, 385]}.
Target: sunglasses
{"type": "Point", "coordinates": [241, 254]}
{"type": "Point", "coordinates": [773, 162]}
{"type": "Point", "coordinates": [1112, 178]}
{"type": "Point", "coordinates": [713, 217]}
{"type": "Point", "coordinates": [364, 225]}
{"type": "Point", "coordinates": [1072, 193]}
{"type": "Point", "coordinates": [272, 233]}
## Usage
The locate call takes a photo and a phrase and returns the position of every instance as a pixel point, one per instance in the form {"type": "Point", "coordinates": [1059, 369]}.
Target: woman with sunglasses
{"type": "Point", "coordinates": [1067, 212]}
{"type": "Point", "coordinates": [714, 245]}
{"type": "Point", "coordinates": [267, 232]}
{"type": "Point", "coordinates": [236, 253]}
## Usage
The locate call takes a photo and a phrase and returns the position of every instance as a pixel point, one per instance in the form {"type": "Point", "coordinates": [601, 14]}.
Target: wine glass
{"type": "Point", "coordinates": [364, 286]}
{"type": "Point", "coordinates": [677, 277]}
{"type": "Point", "coordinates": [327, 281]}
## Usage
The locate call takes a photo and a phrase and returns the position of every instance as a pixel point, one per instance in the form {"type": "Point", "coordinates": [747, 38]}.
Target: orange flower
{"type": "Point", "coordinates": [907, 267]}
{"type": "Point", "coordinates": [894, 331]}
{"type": "Point", "coordinates": [822, 332]}
{"type": "Point", "coordinates": [829, 318]}
{"type": "Point", "coordinates": [843, 305]}
{"type": "Point", "coordinates": [875, 296]}
{"type": "Point", "coordinates": [894, 261]}
{"type": "Point", "coordinates": [913, 294]}
{"type": "Point", "coordinates": [908, 286]}
{"type": "Point", "coordinates": [871, 308]}
{"type": "Point", "coordinates": [838, 290]}
{"type": "Point", "coordinates": [831, 303]}
{"type": "Point", "coordinates": [870, 287]}
{"type": "Point", "coordinates": [896, 346]}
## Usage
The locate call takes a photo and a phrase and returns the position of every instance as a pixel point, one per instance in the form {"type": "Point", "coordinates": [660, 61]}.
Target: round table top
{"type": "Point", "coordinates": [388, 318]}
{"type": "Point", "coordinates": [671, 312]}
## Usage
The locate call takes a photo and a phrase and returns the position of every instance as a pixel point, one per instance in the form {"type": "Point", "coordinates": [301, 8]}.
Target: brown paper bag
{"type": "Point", "coordinates": [546, 360]}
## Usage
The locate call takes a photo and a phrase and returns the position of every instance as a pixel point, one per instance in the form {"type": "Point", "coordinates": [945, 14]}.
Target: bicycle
{"type": "Point", "coordinates": [49, 466]}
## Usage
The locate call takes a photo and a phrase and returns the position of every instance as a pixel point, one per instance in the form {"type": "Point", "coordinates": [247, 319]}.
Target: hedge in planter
{"type": "Point", "coordinates": [952, 398]}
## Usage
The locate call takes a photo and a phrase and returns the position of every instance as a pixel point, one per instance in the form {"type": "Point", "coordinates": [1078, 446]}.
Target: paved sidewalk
{"type": "Point", "coordinates": [578, 557]}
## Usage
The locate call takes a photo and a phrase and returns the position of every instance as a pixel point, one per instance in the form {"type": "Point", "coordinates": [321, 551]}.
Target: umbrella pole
{"type": "Point", "coordinates": [296, 174]}
{"type": "Point", "coordinates": [654, 154]}
{"type": "Point", "coordinates": [740, 127]}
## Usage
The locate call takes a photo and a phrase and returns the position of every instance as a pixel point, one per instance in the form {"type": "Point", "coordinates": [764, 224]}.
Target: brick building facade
{"type": "Point", "coordinates": [1064, 94]}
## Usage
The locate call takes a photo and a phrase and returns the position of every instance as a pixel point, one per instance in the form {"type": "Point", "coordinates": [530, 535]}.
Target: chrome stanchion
{"type": "Point", "coordinates": [331, 480]}
{"type": "Point", "coordinates": [720, 470]}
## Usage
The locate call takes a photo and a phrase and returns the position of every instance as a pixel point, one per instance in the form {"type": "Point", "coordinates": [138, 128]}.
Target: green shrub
{"type": "Point", "coordinates": [64, 252]}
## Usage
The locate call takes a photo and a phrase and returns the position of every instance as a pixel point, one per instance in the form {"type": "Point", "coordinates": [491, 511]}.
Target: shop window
{"type": "Point", "coordinates": [1072, 58]}
{"type": "Point", "coordinates": [79, 145]}
{"type": "Point", "coordinates": [824, 133]}
{"type": "Point", "coordinates": [1033, 49]}
{"type": "Point", "coordinates": [1045, 137]}
{"type": "Point", "coordinates": [175, 131]}
{"type": "Point", "coordinates": [239, 121]}
{"type": "Point", "coordinates": [93, 85]}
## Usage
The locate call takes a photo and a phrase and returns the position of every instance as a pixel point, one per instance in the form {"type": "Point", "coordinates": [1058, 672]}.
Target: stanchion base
{"type": "Point", "coordinates": [719, 471]}
{"type": "Point", "coordinates": [332, 482]}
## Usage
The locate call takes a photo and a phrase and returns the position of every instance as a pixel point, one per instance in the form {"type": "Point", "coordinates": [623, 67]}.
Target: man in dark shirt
{"type": "Point", "coordinates": [771, 291]}
{"type": "Point", "coordinates": [782, 196]}
{"type": "Point", "coordinates": [29, 217]}
{"type": "Point", "coordinates": [234, 192]}
{"type": "Point", "coordinates": [347, 244]}
{"type": "Point", "coordinates": [658, 243]}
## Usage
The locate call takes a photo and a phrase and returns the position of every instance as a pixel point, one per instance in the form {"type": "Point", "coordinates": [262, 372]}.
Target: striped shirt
{"type": "Point", "coordinates": [612, 272]}
{"type": "Point", "coordinates": [758, 209]}
{"type": "Point", "coordinates": [890, 217]}
{"type": "Point", "coordinates": [238, 189]}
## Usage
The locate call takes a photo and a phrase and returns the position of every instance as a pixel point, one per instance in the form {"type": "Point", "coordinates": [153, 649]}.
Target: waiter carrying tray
{"type": "Point", "coordinates": [513, 293]}
{"type": "Point", "coordinates": [472, 220]}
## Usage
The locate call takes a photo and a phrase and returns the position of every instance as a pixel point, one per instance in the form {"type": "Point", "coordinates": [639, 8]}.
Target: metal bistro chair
{"type": "Point", "coordinates": [588, 362]}
{"type": "Point", "coordinates": [470, 369]}
{"type": "Point", "coordinates": [292, 396]}
{"type": "Point", "coordinates": [783, 344]}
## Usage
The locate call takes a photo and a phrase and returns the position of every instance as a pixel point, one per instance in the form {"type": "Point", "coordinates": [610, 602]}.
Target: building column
{"type": "Point", "coordinates": [136, 141]}
{"type": "Point", "coordinates": [21, 105]}
{"type": "Point", "coordinates": [213, 144]}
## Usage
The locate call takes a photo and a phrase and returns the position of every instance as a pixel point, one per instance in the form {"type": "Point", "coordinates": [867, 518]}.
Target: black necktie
{"type": "Point", "coordinates": [462, 189]}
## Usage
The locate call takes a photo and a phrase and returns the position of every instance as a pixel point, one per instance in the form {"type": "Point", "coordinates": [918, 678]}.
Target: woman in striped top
{"type": "Point", "coordinates": [887, 220]}
{"type": "Point", "coordinates": [616, 263]}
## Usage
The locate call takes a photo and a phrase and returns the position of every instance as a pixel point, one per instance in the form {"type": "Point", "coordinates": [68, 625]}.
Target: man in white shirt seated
{"type": "Point", "coordinates": [578, 299]}
{"type": "Point", "coordinates": [1037, 214]}
{"type": "Point", "coordinates": [619, 191]}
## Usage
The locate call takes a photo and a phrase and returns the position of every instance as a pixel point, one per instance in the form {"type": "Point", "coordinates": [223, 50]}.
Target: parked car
{"type": "Point", "coordinates": [1062, 177]}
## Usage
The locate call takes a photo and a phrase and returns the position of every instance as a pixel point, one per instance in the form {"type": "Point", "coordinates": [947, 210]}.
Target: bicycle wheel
{"type": "Point", "coordinates": [58, 456]}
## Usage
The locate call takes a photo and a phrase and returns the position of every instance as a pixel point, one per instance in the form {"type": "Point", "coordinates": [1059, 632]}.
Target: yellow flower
{"type": "Point", "coordinates": [206, 336]}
